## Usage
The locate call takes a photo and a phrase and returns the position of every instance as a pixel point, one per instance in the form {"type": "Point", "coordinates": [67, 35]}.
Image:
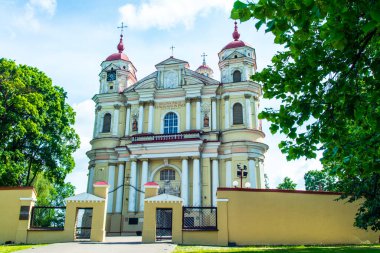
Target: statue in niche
{"type": "Point", "coordinates": [206, 121]}
{"type": "Point", "coordinates": [134, 125]}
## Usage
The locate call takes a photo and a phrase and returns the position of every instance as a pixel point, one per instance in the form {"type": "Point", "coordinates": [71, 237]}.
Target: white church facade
{"type": "Point", "coordinates": [177, 127]}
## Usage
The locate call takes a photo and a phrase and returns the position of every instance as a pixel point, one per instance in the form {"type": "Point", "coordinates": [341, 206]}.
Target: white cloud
{"type": "Point", "coordinates": [165, 14]}
{"type": "Point", "coordinates": [33, 9]}
{"type": "Point", "coordinates": [47, 6]}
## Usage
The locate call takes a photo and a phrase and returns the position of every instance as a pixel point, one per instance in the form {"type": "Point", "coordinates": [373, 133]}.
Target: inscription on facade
{"type": "Point", "coordinates": [171, 105]}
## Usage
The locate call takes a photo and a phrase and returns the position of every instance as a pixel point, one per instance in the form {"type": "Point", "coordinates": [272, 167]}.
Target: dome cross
{"type": "Point", "coordinates": [204, 58]}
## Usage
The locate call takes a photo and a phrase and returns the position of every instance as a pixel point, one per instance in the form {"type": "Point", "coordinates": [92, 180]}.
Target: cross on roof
{"type": "Point", "coordinates": [172, 48]}
{"type": "Point", "coordinates": [121, 28]}
{"type": "Point", "coordinates": [204, 58]}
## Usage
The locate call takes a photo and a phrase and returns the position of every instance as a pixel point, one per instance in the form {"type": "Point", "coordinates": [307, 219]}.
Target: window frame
{"type": "Point", "coordinates": [171, 128]}
{"type": "Point", "coordinates": [170, 176]}
{"type": "Point", "coordinates": [233, 76]}
{"type": "Point", "coordinates": [234, 122]}
{"type": "Point", "coordinates": [103, 122]}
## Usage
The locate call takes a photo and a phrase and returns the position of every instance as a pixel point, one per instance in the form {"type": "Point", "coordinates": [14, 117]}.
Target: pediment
{"type": "Point", "coordinates": [147, 82]}
{"type": "Point", "coordinates": [172, 61]}
{"type": "Point", "coordinates": [84, 197]}
{"type": "Point", "coordinates": [237, 53]}
{"type": "Point", "coordinates": [110, 66]}
{"type": "Point", "coordinates": [193, 77]}
{"type": "Point", "coordinates": [164, 198]}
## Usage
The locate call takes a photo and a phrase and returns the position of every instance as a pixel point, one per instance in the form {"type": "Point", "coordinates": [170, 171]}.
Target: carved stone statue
{"type": "Point", "coordinates": [206, 121]}
{"type": "Point", "coordinates": [134, 125]}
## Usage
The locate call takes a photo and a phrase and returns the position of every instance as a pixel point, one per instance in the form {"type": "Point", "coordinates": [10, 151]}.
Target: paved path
{"type": "Point", "coordinates": [123, 244]}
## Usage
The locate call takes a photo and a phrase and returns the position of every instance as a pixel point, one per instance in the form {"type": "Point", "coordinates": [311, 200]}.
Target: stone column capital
{"type": "Point", "coordinates": [247, 96]}
{"type": "Point", "coordinates": [226, 97]}
{"type": "Point", "coordinates": [187, 100]}
{"type": "Point", "coordinates": [98, 108]}
{"type": "Point", "coordinates": [213, 99]}
{"type": "Point", "coordinates": [184, 158]}
{"type": "Point", "coordinates": [117, 107]}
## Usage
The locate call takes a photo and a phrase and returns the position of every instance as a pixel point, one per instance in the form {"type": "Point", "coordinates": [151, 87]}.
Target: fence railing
{"type": "Point", "coordinates": [166, 137]}
{"type": "Point", "coordinates": [48, 218]}
{"type": "Point", "coordinates": [199, 218]}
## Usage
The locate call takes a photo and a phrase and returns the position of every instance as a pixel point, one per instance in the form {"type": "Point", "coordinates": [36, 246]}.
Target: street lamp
{"type": "Point", "coordinates": [235, 183]}
{"type": "Point", "coordinates": [241, 172]}
{"type": "Point", "coordinates": [247, 185]}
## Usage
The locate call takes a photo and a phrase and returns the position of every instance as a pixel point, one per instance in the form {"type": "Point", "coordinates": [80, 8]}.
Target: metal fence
{"type": "Point", "coordinates": [47, 217]}
{"type": "Point", "coordinates": [199, 218]}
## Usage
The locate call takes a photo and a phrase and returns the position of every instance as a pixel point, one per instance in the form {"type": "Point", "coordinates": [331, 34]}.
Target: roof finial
{"type": "Point", "coordinates": [236, 34]}
{"type": "Point", "coordinates": [172, 48]}
{"type": "Point", "coordinates": [120, 46]}
{"type": "Point", "coordinates": [204, 58]}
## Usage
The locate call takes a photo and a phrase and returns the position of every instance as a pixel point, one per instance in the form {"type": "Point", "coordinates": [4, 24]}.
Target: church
{"type": "Point", "coordinates": [180, 128]}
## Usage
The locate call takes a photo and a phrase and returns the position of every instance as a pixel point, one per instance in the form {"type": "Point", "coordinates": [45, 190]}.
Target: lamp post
{"type": "Point", "coordinates": [242, 173]}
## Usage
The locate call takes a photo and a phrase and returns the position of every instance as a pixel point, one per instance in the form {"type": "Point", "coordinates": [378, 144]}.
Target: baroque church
{"type": "Point", "coordinates": [177, 127]}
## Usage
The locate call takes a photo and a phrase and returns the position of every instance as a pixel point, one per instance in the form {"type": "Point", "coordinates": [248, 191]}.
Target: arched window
{"type": "Point", "coordinates": [167, 174]}
{"type": "Point", "coordinates": [237, 111]}
{"type": "Point", "coordinates": [170, 123]}
{"type": "Point", "coordinates": [107, 123]}
{"type": "Point", "coordinates": [236, 76]}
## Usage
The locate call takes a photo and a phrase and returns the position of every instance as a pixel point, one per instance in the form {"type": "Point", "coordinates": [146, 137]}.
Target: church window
{"type": "Point", "coordinates": [237, 111]}
{"type": "Point", "coordinates": [235, 56]}
{"type": "Point", "coordinates": [111, 87]}
{"type": "Point", "coordinates": [236, 76]}
{"type": "Point", "coordinates": [166, 175]}
{"type": "Point", "coordinates": [107, 123]}
{"type": "Point", "coordinates": [170, 123]}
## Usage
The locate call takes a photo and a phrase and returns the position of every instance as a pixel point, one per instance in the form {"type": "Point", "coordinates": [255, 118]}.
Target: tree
{"type": "Point", "coordinates": [320, 180]}
{"type": "Point", "coordinates": [266, 181]}
{"type": "Point", "coordinates": [36, 137]}
{"type": "Point", "coordinates": [327, 78]}
{"type": "Point", "coordinates": [287, 184]}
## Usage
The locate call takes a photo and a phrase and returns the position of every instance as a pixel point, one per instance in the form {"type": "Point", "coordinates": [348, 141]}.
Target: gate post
{"type": "Point", "coordinates": [149, 226]}
{"type": "Point", "coordinates": [98, 231]}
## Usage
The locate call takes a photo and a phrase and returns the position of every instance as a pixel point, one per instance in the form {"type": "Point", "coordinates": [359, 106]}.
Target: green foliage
{"type": "Point", "coordinates": [266, 181]}
{"type": "Point", "coordinates": [327, 80]}
{"type": "Point", "coordinates": [316, 180]}
{"type": "Point", "coordinates": [49, 194]}
{"type": "Point", "coordinates": [287, 184]}
{"type": "Point", "coordinates": [37, 136]}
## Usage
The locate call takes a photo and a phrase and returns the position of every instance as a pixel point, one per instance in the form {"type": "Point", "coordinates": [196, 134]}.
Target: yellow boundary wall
{"type": "Point", "coordinates": [15, 230]}
{"type": "Point", "coordinates": [268, 217]}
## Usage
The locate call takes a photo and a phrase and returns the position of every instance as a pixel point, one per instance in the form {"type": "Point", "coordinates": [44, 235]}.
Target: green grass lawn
{"type": "Point", "coordinates": [12, 248]}
{"type": "Point", "coordinates": [280, 249]}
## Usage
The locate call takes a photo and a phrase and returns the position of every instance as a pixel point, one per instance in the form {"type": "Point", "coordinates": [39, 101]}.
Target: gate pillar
{"type": "Point", "coordinates": [163, 201]}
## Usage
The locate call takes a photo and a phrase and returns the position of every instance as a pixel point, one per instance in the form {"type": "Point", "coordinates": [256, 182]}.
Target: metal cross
{"type": "Point", "coordinates": [204, 58]}
{"type": "Point", "coordinates": [121, 28]}
{"type": "Point", "coordinates": [172, 48]}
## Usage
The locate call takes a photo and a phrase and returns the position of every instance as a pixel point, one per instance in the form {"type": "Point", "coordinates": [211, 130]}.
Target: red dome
{"type": "Point", "coordinates": [117, 56]}
{"type": "Point", "coordinates": [234, 44]}
{"type": "Point", "coordinates": [204, 67]}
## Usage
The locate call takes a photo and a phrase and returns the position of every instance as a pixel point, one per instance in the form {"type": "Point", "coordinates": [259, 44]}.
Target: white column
{"type": "Point", "coordinates": [188, 115]}
{"type": "Point", "coordinates": [215, 180]}
{"type": "Point", "coordinates": [128, 121]}
{"type": "Point", "coordinates": [111, 182]}
{"type": "Point", "coordinates": [248, 110]}
{"type": "Point", "coordinates": [144, 180]}
{"type": "Point", "coordinates": [228, 174]}
{"type": "Point", "coordinates": [95, 133]}
{"type": "Point", "coordinates": [141, 119]}
{"type": "Point", "coordinates": [196, 183]}
{"type": "Point", "coordinates": [90, 186]}
{"type": "Point", "coordinates": [115, 120]}
{"type": "Point", "coordinates": [132, 191]}
{"type": "Point", "coordinates": [151, 119]}
{"type": "Point", "coordinates": [119, 191]}
{"type": "Point", "coordinates": [252, 173]}
{"type": "Point", "coordinates": [213, 112]}
{"type": "Point", "coordinates": [185, 182]}
{"type": "Point", "coordinates": [226, 112]}
{"type": "Point", "coordinates": [198, 114]}
{"type": "Point", "coordinates": [256, 103]}
{"type": "Point", "coordinates": [98, 122]}
{"type": "Point", "coordinates": [261, 169]}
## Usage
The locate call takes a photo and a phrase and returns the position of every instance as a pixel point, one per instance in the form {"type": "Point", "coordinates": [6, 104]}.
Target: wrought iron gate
{"type": "Point", "coordinates": [83, 223]}
{"type": "Point", "coordinates": [164, 223]}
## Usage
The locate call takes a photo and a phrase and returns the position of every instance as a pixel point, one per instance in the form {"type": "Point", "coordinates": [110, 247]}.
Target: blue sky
{"type": "Point", "coordinates": [68, 39]}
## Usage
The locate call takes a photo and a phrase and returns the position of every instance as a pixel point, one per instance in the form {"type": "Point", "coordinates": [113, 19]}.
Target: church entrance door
{"type": "Point", "coordinates": [164, 224]}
